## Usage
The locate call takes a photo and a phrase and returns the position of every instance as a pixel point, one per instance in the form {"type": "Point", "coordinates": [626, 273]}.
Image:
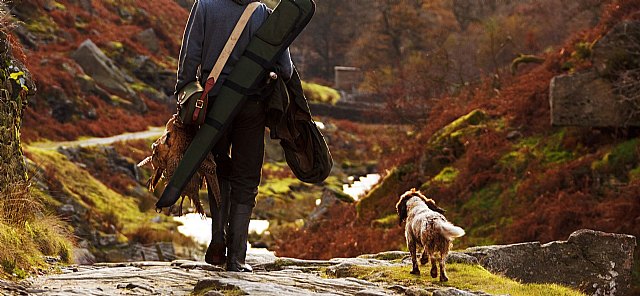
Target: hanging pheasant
{"type": "Point", "coordinates": [167, 151]}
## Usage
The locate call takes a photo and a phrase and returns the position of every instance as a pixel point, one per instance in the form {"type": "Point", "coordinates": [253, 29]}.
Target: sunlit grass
{"type": "Point", "coordinates": [461, 276]}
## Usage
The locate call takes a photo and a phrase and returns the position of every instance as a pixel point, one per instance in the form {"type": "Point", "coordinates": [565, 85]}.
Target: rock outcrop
{"type": "Point", "coordinates": [148, 39]}
{"type": "Point", "coordinates": [595, 262]}
{"type": "Point", "coordinates": [272, 276]}
{"type": "Point", "coordinates": [15, 86]}
{"type": "Point", "coordinates": [586, 99]}
{"type": "Point", "coordinates": [605, 95]}
{"type": "Point", "coordinates": [103, 70]}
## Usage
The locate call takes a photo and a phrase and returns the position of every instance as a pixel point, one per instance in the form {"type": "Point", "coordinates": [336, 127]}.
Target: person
{"type": "Point", "coordinates": [239, 153]}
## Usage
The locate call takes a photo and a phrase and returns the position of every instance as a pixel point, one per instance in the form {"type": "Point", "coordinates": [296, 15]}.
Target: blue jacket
{"type": "Point", "coordinates": [209, 26]}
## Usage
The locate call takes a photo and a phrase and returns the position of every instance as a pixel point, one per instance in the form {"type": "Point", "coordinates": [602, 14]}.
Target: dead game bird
{"type": "Point", "coordinates": [167, 151]}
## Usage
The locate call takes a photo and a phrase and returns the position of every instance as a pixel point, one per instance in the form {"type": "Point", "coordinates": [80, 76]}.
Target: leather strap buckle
{"type": "Point", "coordinates": [199, 104]}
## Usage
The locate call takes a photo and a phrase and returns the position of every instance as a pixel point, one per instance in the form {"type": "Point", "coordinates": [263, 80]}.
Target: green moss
{"type": "Point", "coordinates": [634, 174]}
{"type": "Point", "coordinates": [461, 276]}
{"type": "Point", "coordinates": [59, 6]}
{"type": "Point", "coordinates": [447, 175]}
{"type": "Point", "coordinates": [386, 222]}
{"type": "Point", "coordinates": [474, 117]}
{"type": "Point", "coordinates": [618, 159]}
{"type": "Point", "coordinates": [481, 215]}
{"type": "Point", "coordinates": [582, 50]}
{"type": "Point", "coordinates": [117, 100]}
{"type": "Point", "coordinates": [289, 199]}
{"type": "Point", "coordinates": [547, 150]}
{"type": "Point", "coordinates": [387, 187]}
{"type": "Point", "coordinates": [42, 25]}
{"type": "Point", "coordinates": [90, 193]}
{"type": "Point", "coordinates": [320, 93]}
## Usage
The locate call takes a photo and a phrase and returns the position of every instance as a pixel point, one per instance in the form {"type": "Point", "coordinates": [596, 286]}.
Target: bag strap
{"type": "Point", "coordinates": [233, 39]}
{"type": "Point", "coordinates": [223, 58]}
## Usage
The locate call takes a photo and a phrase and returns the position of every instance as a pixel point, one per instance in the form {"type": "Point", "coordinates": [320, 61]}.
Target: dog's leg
{"type": "Point", "coordinates": [443, 272]}
{"type": "Point", "coordinates": [434, 268]}
{"type": "Point", "coordinates": [411, 244]}
{"type": "Point", "coordinates": [424, 259]}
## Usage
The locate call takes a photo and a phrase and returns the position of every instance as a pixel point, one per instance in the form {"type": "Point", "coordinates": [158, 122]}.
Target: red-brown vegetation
{"type": "Point", "coordinates": [51, 66]}
{"type": "Point", "coordinates": [544, 199]}
{"type": "Point", "coordinates": [340, 234]}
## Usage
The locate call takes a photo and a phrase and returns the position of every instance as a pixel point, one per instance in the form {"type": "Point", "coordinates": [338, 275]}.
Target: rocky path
{"type": "Point", "coordinates": [595, 262]}
{"type": "Point", "coordinates": [153, 132]}
{"type": "Point", "coordinates": [273, 276]}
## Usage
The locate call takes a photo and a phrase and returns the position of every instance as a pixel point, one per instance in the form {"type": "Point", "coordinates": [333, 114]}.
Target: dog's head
{"type": "Point", "coordinates": [402, 209]}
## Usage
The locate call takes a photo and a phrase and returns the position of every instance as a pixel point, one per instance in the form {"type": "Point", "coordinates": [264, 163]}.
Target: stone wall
{"type": "Point", "coordinates": [15, 87]}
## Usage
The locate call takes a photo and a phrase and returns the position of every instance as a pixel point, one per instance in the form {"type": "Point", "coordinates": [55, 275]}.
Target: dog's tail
{"type": "Point", "coordinates": [450, 231]}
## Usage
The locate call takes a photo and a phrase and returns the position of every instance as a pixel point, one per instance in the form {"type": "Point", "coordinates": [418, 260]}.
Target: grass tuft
{"type": "Point", "coordinates": [461, 276]}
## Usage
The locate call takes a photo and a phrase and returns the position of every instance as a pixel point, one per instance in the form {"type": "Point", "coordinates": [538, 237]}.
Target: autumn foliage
{"type": "Point", "coordinates": [517, 180]}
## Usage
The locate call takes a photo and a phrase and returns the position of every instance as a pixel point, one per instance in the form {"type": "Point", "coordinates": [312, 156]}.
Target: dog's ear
{"type": "Point", "coordinates": [432, 205]}
{"type": "Point", "coordinates": [401, 207]}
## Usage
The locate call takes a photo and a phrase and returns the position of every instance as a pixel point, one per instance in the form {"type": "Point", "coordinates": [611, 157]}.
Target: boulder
{"type": "Point", "coordinates": [148, 39]}
{"type": "Point", "coordinates": [160, 79]}
{"type": "Point", "coordinates": [63, 108]}
{"type": "Point", "coordinates": [619, 48]}
{"type": "Point", "coordinates": [602, 96]}
{"type": "Point", "coordinates": [595, 262]}
{"type": "Point", "coordinates": [103, 70]}
{"type": "Point", "coordinates": [82, 256]}
{"type": "Point", "coordinates": [586, 99]}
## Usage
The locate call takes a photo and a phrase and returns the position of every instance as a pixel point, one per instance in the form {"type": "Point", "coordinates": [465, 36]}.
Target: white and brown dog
{"type": "Point", "coordinates": [428, 228]}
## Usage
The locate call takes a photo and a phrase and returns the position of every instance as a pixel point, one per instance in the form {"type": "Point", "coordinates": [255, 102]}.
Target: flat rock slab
{"type": "Point", "coordinates": [274, 276]}
{"type": "Point", "coordinates": [288, 283]}
{"type": "Point", "coordinates": [148, 280]}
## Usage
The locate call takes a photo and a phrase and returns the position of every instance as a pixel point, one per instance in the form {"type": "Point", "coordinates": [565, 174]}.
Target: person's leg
{"type": "Point", "coordinates": [216, 252]}
{"type": "Point", "coordinates": [247, 155]}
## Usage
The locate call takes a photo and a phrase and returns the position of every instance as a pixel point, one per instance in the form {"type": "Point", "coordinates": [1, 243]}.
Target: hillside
{"type": "Point", "coordinates": [491, 158]}
{"type": "Point", "coordinates": [126, 89]}
{"type": "Point", "coordinates": [468, 87]}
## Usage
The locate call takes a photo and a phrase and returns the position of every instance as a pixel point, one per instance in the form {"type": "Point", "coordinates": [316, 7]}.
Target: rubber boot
{"type": "Point", "coordinates": [219, 223]}
{"type": "Point", "coordinates": [239, 219]}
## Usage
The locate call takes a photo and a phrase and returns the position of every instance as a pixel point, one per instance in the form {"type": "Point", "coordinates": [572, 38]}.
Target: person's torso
{"type": "Point", "coordinates": [221, 17]}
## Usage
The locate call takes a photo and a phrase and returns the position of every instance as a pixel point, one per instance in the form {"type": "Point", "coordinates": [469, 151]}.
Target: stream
{"type": "Point", "coordinates": [199, 228]}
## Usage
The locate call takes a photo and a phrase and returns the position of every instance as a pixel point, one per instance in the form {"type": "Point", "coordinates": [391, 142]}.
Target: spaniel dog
{"type": "Point", "coordinates": [428, 228]}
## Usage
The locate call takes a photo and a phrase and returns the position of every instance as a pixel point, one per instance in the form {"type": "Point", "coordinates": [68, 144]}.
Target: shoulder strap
{"type": "Point", "coordinates": [202, 103]}
{"type": "Point", "coordinates": [233, 39]}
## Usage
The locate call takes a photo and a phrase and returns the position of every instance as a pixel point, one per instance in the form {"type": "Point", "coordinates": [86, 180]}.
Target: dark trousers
{"type": "Point", "coordinates": [239, 154]}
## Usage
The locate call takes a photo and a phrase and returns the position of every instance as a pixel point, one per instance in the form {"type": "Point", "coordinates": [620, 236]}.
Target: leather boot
{"type": "Point", "coordinates": [240, 216]}
{"type": "Point", "coordinates": [219, 223]}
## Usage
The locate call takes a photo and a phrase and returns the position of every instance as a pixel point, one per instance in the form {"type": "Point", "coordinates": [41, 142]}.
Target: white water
{"type": "Point", "coordinates": [199, 229]}
{"type": "Point", "coordinates": [360, 187]}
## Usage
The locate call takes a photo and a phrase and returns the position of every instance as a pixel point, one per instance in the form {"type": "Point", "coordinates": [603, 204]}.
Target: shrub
{"type": "Point", "coordinates": [320, 93]}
